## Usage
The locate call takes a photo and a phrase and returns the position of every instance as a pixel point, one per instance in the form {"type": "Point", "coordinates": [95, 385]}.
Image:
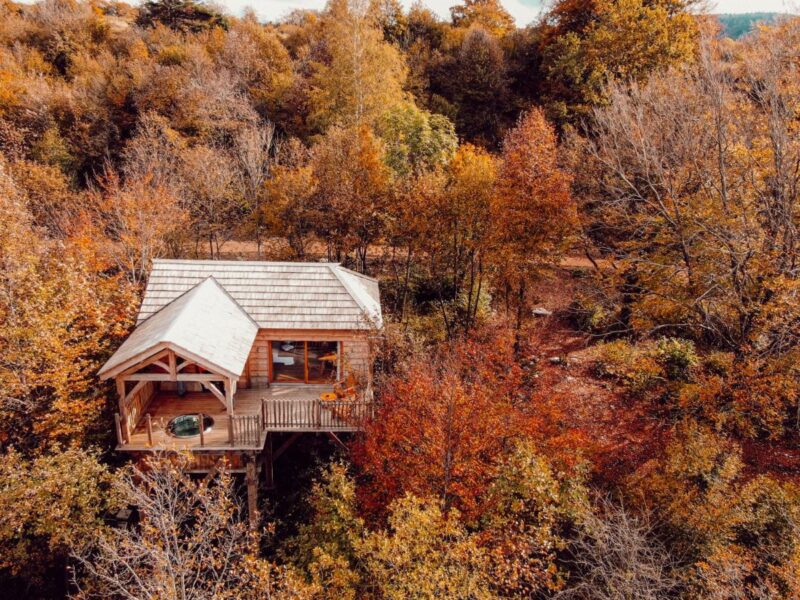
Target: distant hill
{"type": "Point", "coordinates": [737, 25]}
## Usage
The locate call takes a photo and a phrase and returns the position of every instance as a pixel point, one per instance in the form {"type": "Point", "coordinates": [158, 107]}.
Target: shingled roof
{"type": "Point", "coordinates": [205, 323]}
{"type": "Point", "coordinates": [276, 295]}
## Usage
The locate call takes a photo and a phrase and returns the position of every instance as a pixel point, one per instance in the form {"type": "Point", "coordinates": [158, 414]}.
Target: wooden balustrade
{"type": "Point", "coordinates": [314, 414]}
{"type": "Point", "coordinates": [247, 430]}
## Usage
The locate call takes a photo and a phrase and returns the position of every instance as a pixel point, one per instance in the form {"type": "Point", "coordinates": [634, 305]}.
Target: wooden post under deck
{"type": "Point", "coordinates": [252, 490]}
{"type": "Point", "coordinates": [269, 481]}
{"type": "Point", "coordinates": [229, 391]}
{"type": "Point", "coordinates": [123, 411]}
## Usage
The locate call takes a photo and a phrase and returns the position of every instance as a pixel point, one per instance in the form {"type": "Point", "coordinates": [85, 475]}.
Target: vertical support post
{"type": "Point", "coordinates": [173, 366]}
{"type": "Point", "coordinates": [228, 383]}
{"type": "Point", "coordinates": [252, 491]}
{"type": "Point", "coordinates": [149, 430]}
{"type": "Point", "coordinates": [123, 412]}
{"type": "Point", "coordinates": [120, 439]}
{"type": "Point", "coordinates": [263, 413]}
{"type": "Point", "coordinates": [202, 430]}
{"type": "Point", "coordinates": [269, 480]}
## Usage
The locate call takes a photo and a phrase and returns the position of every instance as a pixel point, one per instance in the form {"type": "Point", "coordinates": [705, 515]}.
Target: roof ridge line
{"type": "Point", "coordinates": [356, 273]}
{"type": "Point", "coordinates": [234, 261]}
{"type": "Point", "coordinates": [353, 295]}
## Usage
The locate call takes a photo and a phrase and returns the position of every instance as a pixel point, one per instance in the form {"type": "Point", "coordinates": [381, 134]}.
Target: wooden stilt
{"type": "Point", "coordinates": [252, 491]}
{"type": "Point", "coordinates": [337, 441]}
{"type": "Point", "coordinates": [269, 482]}
{"type": "Point", "coordinates": [120, 439]}
{"type": "Point", "coordinates": [149, 430]}
{"type": "Point", "coordinates": [285, 446]}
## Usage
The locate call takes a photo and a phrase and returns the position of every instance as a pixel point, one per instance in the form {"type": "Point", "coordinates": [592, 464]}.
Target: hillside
{"type": "Point", "coordinates": [736, 25]}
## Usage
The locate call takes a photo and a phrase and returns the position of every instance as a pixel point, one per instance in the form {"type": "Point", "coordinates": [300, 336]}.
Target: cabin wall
{"type": "Point", "coordinates": [356, 352]}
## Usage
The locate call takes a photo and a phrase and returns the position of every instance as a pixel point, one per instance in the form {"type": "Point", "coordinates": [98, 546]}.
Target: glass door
{"type": "Point", "coordinates": [288, 362]}
{"type": "Point", "coordinates": [304, 362]}
{"type": "Point", "coordinates": [323, 361]}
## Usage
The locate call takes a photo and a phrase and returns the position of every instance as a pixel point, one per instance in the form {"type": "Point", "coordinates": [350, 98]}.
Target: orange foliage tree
{"type": "Point", "coordinates": [533, 210]}
{"type": "Point", "coordinates": [445, 422]}
{"type": "Point", "coordinates": [60, 314]}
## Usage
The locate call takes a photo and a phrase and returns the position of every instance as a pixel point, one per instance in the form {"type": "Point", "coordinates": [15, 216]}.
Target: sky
{"type": "Point", "coordinates": [524, 11]}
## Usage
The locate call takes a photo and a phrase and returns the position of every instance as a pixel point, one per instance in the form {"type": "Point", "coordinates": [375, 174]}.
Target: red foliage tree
{"type": "Point", "coordinates": [444, 423]}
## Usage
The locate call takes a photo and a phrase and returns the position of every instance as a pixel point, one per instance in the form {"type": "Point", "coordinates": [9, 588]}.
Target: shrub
{"type": "Point", "coordinates": [591, 316]}
{"type": "Point", "coordinates": [677, 357]}
{"type": "Point", "coordinates": [633, 366]}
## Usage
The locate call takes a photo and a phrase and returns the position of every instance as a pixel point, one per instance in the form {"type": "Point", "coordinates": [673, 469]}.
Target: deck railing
{"type": "Point", "coordinates": [313, 414]}
{"type": "Point", "coordinates": [247, 430]}
{"type": "Point", "coordinates": [277, 414]}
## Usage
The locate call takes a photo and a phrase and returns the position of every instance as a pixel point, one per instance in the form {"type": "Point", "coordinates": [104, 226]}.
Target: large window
{"type": "Point", "coordinates": [304, 362]}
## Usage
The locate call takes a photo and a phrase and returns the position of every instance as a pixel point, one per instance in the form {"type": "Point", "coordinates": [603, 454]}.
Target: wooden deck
{"type": "Point", "coordinates": [280, 408]}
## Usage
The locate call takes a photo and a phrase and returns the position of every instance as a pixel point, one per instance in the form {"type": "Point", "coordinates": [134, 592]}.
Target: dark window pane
{"type": "Point", "coordinates": [323, 361]}
{"type": "Point", "coordinates": [288, 362]}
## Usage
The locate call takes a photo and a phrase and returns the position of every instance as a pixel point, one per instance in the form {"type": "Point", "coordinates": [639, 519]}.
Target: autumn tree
{"type": "Point", "coordinates": [191, 541]}
{"type": "Point", "coordinates": [427, 552]}
{"type": "Point", "coordinates": [679, 201]}
{"type": "Point", "coordinates": [362, 75]}
{"type": "Point", "coordinates": [54, 503]}
{"type": "Point", "coordinates": [353, 187]}
{"type": "Point", "coordinates": [143, 220]}
{"type": "Point", "coordinates": [262, 66]}
{"type": "Point", "coordinates": [459, 247]}
{"type": "Point", "coordinates": [214, 199]}
{"type": "Point", "coordinates": [532, 509]}
{"type": "Point", "coordinates": [532, 207]}
{"type": "Point", "coordinates": [489, 14]}
{"type": "Point", "coordinates": [289, 210]}
{"type": "Point", "coordinates": [457, 415]}
{"type": "Point", "coordinates": [740, 536]}
{"type": "Point", "coordinates": [328, 547]}
{"type": "Point", "coordinates": [251, 155]}
{"type": "Point", "coordinates": [422, 551]}
{"type": "Point", "coordinates": [585, 44]}
{"type": "Point", "coordinates": [60, 315]}
{"type": "Point", "coordinates": [411, 229]}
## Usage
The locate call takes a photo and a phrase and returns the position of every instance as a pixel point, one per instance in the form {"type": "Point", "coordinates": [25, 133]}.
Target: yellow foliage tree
{"type": "Point", "coordinates": [363, 75]}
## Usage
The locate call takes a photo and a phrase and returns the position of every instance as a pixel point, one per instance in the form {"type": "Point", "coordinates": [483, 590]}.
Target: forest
{"type": "Point", "coordinates": [587, 235]}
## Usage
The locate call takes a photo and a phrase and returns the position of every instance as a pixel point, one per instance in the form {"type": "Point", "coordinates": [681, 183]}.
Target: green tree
{"type": "Point", "coordinates": [415, 140]}
{"type": "Point", "coordinates": [183, 15]}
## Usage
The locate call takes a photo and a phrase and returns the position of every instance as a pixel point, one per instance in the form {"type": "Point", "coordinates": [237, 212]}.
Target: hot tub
{"type": "Point", "coordinates": [184, 426]}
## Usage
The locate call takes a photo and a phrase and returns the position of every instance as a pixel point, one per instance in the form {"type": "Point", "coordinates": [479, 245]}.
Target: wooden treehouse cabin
{"type": "Point", "coordinates": [230, 357]}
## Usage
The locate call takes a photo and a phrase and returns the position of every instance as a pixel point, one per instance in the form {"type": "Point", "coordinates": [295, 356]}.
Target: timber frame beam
{"type": "Point", "coordinates": [223, 387]}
